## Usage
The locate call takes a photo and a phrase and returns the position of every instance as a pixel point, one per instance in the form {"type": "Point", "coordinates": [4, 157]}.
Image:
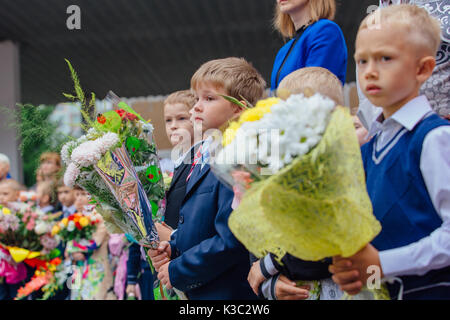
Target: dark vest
{"type": "Point", "coordinates": [176, 193]}
{"type": "Point", "coordinates": [402, 204]}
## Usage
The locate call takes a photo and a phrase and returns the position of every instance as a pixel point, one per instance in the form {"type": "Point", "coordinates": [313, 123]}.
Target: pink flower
{"type": "Point", "coordinates": [30, 225]}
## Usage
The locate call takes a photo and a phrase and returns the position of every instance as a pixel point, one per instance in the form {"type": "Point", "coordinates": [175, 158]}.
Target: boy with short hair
{"type": "Point", "coordinates": [406, 162]}
{"type": "Point", "coordinates": [204, 259]}
{"type": "Point", "coordinates": [9, 191]}
{"type": "Point", "coordinates": [180, 132]}
{"type": "Point", "coordinates": [317, 79]}
{"type": "Point", "coordinates": [66, 196]}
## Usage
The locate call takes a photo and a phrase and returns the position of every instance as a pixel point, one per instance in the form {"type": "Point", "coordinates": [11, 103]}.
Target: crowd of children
{"type": "Point", "coordinates": [405, 154]}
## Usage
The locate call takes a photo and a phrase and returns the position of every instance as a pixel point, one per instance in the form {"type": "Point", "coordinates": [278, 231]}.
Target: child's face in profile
{"type": "Point", "coordinates": [211, 110]}
{"type": "Point", "coordinates": [387, 66]}
{"type": "Point", "coordinates": [178, 124]}
{"type": "Point", "coordinates": [66, 196]}
{"type": "Point", "coordinates": [361, 132]}
{"type": "Point", "coordinates": [42, 198]}
{"type": "Point", "coordinates": [8, 194]}
{"type": "Point", "coordinates": [81, 199]}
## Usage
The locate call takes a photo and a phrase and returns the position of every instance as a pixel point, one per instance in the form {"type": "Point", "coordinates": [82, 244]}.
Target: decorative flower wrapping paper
{"type": "Point", "coordinates": [120, 176]}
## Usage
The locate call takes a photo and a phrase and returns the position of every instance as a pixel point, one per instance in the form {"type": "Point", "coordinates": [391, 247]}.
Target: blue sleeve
{"type": "Point", "coordinates": [133, 263]}
{"type": "Point", "coordinates": [211, 257]}
{"type": "Point", "coordinates": [327, 49]}
{"type": "Point", "coordinates": [174, 253]}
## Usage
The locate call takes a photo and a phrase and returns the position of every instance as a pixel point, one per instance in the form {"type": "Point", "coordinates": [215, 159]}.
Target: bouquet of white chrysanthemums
{"type": "Point", "coordinates": [297, 167]}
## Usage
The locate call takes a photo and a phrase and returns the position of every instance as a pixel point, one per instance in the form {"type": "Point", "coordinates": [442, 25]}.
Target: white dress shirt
{"type": "Point", "coordinates": [432, 252]}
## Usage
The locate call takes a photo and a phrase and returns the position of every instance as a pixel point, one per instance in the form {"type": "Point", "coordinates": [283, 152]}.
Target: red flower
{"type": "Point", "coordinates": [121, 113]}
{"type": "Point", "coordinates": [131, 116]}
{"type": "Point", "coordinates": [56, 261]}
{"type": "Point", "coordinates": [71, 217]}
{"type": "Point", "coordinates": [78, 225]}
{"type": "Point", "coordinates": [101, 119]}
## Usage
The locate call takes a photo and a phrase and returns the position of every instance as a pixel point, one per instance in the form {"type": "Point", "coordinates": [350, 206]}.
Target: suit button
{"type": "Point", "coordinates": [181, 219]}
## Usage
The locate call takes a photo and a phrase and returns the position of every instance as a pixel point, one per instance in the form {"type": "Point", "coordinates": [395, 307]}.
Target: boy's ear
{"type": "Point", "coordinates": [240, 109]}
{"type": "Point", "coordinates": [426, 67]}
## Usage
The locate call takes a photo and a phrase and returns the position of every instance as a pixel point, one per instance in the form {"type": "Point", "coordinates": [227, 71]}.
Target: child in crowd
{"type": "Point", "coordinates": [46, 196]}
{"type": "Point", "coordinates": [361, 131]}
{"type": "Point", "coordinates": [9, 191]}
{"type": "Point", "coordinates": [203, 258]}
{"type": "Point", "coordinates": [66, 196]}
{"type": "Point", "coordinates": [180, 132]}
{"type": "Point", "coordinates": [406, 162]}
{"type": "Point", "coordinates": [49, 166]}
{"type": "Point", "coordinates": [94, 272]}
{"type": "Point", "coordinates": [268, 278]}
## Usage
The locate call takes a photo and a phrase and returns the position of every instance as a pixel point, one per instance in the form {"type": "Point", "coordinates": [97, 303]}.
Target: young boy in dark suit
{"type": "Point", "coordinates": [203, 258]}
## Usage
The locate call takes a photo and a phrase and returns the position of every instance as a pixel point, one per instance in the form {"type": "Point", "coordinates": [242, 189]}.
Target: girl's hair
{"type": "Point", "coordinates": [48, 187]}
{"type": "Point", "coordinates": [319, 9]}
{"type": "Point", "coordinates": [51, 156]}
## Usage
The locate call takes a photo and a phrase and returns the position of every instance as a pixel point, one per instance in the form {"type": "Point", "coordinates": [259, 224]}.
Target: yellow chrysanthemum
{"type": "Point", "coordinates": [230, 133]}
{"type": "Point", "coordinates": [256, 113]}
{"type": "Point", "coordinates": [6, 211]}
{"type": "Point", "coordinates": [249, 115]}
{"type": "Point", "coordinates": [65, 221]}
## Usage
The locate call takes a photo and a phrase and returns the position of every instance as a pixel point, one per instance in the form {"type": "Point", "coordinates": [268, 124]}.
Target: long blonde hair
{"type": "Point", "coordinates": [319, 9]}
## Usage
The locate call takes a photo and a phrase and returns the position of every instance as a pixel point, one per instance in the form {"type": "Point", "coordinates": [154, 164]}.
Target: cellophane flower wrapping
{"type": "Point", "coordinates": [311, 200]}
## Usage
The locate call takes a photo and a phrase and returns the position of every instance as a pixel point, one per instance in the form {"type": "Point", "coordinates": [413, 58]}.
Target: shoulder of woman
{"type": "Point", "coordinates": [325, 25]}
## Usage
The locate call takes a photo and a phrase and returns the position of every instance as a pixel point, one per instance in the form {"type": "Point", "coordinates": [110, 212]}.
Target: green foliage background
{"type": "Point", "coordinates": [37, 135]}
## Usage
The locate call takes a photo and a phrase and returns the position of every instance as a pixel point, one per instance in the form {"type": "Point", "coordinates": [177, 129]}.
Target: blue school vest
{"type": "Point", "coordinates": [401, 203]}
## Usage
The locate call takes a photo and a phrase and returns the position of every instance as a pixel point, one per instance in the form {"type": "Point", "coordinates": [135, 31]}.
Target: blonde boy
{"type": "Point", "coordinates": [177, 117]}
{"type": "Point", "coordinates": [317, 79]}
{"type": "Point", "coordinates": [9, 191]}
{"type": "Point", "coordinates": [406, 162]}
{"type": "Point", "coordinates": [203, 258]}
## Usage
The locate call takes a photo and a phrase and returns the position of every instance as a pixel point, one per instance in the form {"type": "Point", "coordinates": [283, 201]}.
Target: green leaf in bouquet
{"type": "Point", "coordinates": [133, 144]}
{"type": "Point", "coordinates": [155, 209]}
{"type": "Point", "coordinates": [55, 253]}
{"type": "Point", "coordinates": [153, 174]}
{"type": "Point", "coordinates": [234, 101]}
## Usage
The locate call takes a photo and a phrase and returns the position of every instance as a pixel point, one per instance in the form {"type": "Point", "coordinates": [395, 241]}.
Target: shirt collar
{"type": "Point", "coordinates": [180, 160]}
{"type": "Point", "coordinates": [70, 209]}
{"type": "Point", "coordinates": [46, 209]}
{"type": "Point", "coordinates": [407, 116]}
